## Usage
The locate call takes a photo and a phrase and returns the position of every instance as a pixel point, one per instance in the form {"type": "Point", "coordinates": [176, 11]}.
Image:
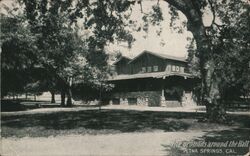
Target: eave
{"type": "Point", "coordinates": [158, 75]}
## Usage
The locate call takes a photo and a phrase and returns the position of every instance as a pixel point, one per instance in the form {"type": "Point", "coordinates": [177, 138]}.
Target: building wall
{"type": "Point", "coordinates": [167, 103]}
{"type": "Point", "coordinates": [146, 61]}
{"type": "Point", "coordinates": [152, 92]}
{"type": "Point", "coordinates": [144, 98]}
{"type": "Point", "coordinates": [148, 91]}
{"type": "Point", "coordinates": [122, 67]}
{"type": "Point", "coordinates": [188, 99]}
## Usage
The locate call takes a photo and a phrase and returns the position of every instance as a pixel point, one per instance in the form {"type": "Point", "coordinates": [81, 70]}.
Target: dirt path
{"type": "Point", "coordinates": [150, 143]}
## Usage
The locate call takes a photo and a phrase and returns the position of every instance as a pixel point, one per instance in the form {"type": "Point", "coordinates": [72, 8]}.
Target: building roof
{"type": "Point", "coordinates": [150, 75]}
{"type": "Point", "coordinates": [163, 56]}
{"type": "Point", "coordinates": [118, 60]}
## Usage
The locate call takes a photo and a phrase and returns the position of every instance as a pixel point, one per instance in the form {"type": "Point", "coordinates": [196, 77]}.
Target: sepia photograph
{"type": "Point", "coordinates": [125, 77]}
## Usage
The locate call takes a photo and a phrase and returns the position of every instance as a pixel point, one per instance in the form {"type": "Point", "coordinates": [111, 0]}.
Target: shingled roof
{"type": "Point", "coordinates": [163, 56]}
{"type": "Point", "coordinates": [122, 57]}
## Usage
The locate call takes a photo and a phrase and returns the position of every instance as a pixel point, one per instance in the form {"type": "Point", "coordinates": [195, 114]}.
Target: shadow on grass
{"type": "Point", "coordinates": [235, 141]}
{"type": "Point", "coordinates": [9, 105]}
{"type": "Point", "coordinates": [12, 105]}
{"type": "Point", "coordinates": [93, 121]}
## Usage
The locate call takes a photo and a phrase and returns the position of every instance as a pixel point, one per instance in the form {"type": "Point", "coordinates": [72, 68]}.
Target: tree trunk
{"type": "Point", "coordinates": [100, 98]}
{"type": "Point", "coordinates": [216, 111]}
{"type": "Point", "coordinates": [62, 98]}
{"type": "Point", "coordinates": [53, 97]}
{"type": "Point", "coordinates": [69, 97]}
{"type": "Point", "coordinates": [210, 93]}
{"type": "Point", "coordinates": [69, 92]}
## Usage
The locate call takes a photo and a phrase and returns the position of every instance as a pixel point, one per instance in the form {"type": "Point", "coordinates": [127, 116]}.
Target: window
{"type": "Point", "coordinates": [149, 69]}
{"type": "Point", "coordinates": [143, 69]}
{"type": "Point", "coordinates": [155, 68]}
{"type": "Point", "coordinates": [177, 68]}
{"type": "Point", "coordinates": [168, 68]}
{"type": "Point", "coordinates": [173, 68]}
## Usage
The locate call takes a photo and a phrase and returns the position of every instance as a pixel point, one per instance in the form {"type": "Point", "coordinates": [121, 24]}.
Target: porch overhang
{"type": "Point", "coordinates": [157, 75]}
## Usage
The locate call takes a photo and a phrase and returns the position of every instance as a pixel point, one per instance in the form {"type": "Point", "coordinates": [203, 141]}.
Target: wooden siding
{"type": "Point", "coordinates": [122, 67]}
{"type": "Point", "coordinates": [147, 60]}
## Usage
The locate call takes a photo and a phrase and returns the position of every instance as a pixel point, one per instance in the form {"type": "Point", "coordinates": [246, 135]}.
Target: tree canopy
{"type": "Point", "coordinates": [221, 48]}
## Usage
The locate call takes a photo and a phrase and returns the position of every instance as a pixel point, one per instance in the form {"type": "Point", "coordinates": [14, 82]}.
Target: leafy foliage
{"type": "Point", "coordinates": [15, 57]}
{"type": "Point", "coordinates": [231, 50]}
{"type": "Point", "coordinates": [58, 46]}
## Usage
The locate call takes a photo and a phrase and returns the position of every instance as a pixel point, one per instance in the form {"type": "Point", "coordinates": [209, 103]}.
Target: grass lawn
{"type": "Point", "coordinates": [149, 125]}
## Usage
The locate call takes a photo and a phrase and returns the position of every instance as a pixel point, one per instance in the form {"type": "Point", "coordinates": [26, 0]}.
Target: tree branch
{"type": "Point", "coordinates": [188, 8]}
{"type": "Point", "coordinates": [213, 11]}
{"type": "Point", "coordinates": [140, 2]}
{"type": "Point", "coordinates": [179, 4]}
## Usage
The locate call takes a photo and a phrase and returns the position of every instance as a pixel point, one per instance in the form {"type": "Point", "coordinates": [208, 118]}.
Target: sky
{"type": "Point", "coordinates": [174, 43]}
{"type": "Point", "coordinates": [169, 42]}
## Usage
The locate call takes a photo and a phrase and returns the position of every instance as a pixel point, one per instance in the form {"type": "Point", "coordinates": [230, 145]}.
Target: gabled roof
{"type": "Point", "coordinates": [122, 57]}
{"type": "Point", "coordinates": [163, 56]}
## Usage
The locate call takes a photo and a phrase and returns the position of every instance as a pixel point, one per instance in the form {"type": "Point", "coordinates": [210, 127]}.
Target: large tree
{"type": "Point", "coordinates": [108, 20]}
{"type": "Point", "coordinates": [231, 52]}
{"type": "Point", "coordinates": [58, 47]}
{"type": "Point", "coordinates": [16, 44]}
{"type": "Point", "coordinates": [100, 16]}
{"type": "Point", "coordinates": [216, 43]}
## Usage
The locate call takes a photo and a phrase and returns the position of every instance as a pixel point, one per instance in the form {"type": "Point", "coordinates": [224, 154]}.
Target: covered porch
{"type": "Point", "coordinates": [153, 89]}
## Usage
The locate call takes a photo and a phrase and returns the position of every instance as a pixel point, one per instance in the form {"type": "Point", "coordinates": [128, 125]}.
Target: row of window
{"type": "Point", "coordinates": [149, 69]}
{"type": "Point", "coordinates": [175, 68]}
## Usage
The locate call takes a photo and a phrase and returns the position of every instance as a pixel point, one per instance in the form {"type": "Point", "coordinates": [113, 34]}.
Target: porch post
{"type": "Point", "coordinates": [162, 93]}
{"type": "Point", "coordinates": [183, 99]}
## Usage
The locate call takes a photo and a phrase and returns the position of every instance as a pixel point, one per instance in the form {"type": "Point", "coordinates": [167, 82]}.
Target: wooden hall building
{"type": "Point", "coordinates": [152, 79]}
